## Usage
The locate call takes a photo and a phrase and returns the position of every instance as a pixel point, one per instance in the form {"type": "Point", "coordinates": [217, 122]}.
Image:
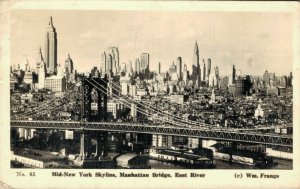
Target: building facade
{"type": "Point", "coordinates": [51, 48]}
{"type": "Point", "coordinates": [55, 83]}
{"type": "Point", "coordinates": [114, 107]}
{"type": "Point", "coordinates": [179, 67]}
{"type": "Point", "coordinates": [196, 70]}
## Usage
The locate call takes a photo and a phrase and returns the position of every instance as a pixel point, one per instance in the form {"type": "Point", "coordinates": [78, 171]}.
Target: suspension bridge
{"type": "Point", "coordinates": [165, 124]}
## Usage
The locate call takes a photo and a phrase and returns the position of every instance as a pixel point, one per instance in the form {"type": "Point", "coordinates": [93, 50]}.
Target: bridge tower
{"type": "Point", "coordinates": [94, 108]}
{"type": "Point", "coordinates": [94, 101]}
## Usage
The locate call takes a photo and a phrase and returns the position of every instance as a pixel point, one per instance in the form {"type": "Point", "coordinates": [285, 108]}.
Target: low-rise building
{"type": "Point", "coordinates": [28, 161]}
{"type": "Point", "coordinates": [175, 156]}
{"type": "Point", "coordinates": [28, 77]}
{"type": "Point", "coordinates": [132, 161]}
{"type": "Point", "coordinates": [273, 91]}
{"type": "Point", "coordinates": [178, 99]}
{"type": "Point", "coordinates": [141, 92]}
{"type": "Point", "coordinates": [114, 107]}
{"type": "Point", "coordinates": [55, 83]}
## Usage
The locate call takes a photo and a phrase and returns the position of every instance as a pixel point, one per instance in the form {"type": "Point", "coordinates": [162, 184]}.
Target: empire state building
{"type": "Point", "coordinates": [50, 55]}
{"type": "Point", "coordinates": [196, 70]}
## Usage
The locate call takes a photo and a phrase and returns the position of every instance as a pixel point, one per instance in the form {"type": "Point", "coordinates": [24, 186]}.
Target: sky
{"type": "Point", "coordinates": [252, 41]}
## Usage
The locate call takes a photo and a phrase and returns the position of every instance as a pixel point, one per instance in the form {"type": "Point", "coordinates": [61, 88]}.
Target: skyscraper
{"type": "Point", "coordinates": [290, 80]}
{"type": "Point", "coordinates": [204, 70]}
{"type": "Point", "coordinates": [212, 79]}
{"type": "Point", "coordinates": [144, 62]}
{"type": "Point", "coordinates": [114, 52]}
{"type": "Point", "coordinates": [179, 67]}
{"type": "Point", "coordinates": [217, 72]}
{"type": "Point", "coordinates": [144, 66]}
{"type": "Point", "coordinates": [109, 63]}
{"type": "Point", "coordinates": [208, 67]}
{"type": "Point", "coordinates": [41, 71]}
{"type": "Point", "coordinates": [28, 75]}
{"type": "Point", "coordinates": [51, 48]}
{"type": "Point", "coordinates": [60, 70]}
{"type": "Point", "coordinates": [159, 68]}
{"type": "Point", "coordinates": [233, 74]}
{"type": "Point", "coordinates": [39, 60]}
{"type": "Point", "coordinates": [137, 66]}
{"type": "Point", "coordinates": [196, 55]}
{"type": "Point", "coordinates": [123, 68]}
{"type": "Point", "coordinates": [103, 63]}
{"type": "Point", "coordinates": [196, 70]}
{"type": "Point", "coordinates": [69, 70]}
{"type": "Point", "coordinates": [266, 79]}
{"type": "Point", "coordinates": [172, 68]}
{"type": "Point", "coordinates": [69, 67]}
{"type": "Point", "coordinates": [185, 75]}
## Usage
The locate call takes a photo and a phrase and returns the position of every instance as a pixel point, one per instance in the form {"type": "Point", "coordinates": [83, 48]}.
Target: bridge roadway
{"type": "Point", "coordinates": [203, 133]}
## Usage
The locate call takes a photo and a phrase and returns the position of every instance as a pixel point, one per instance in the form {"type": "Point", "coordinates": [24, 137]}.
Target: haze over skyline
{"type": "Point", "coordinates": [253, 42]}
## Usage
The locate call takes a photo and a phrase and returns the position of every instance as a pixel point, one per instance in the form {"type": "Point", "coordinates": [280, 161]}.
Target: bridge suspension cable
{"type": "Point", "coordinates": [158, 111]}
{"type": "Point", "coordinates": [129, 106]}
{"type": "Point", "coordinates": [43, 106]}
{"type": "Point", "coordinates": [119, 100]}
{"type": "Point", "coordinates": [41, 111]}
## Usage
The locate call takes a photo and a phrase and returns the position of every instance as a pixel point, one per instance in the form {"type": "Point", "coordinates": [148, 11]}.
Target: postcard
{"type": "Point", "coordinates": [154, 94]}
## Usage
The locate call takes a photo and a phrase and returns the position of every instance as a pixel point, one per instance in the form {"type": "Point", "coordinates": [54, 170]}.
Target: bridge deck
{"type": "Point", "coordinates": [204, 133]}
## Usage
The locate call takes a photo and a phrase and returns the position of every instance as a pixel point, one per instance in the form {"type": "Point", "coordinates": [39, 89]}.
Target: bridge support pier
{"type": "Point", "coordinates": [26, 134]}
{"type": "Point", "coordinates": [85, 148]}
{"type": "Point", "coordinates": [23, 133]}
{"type": "Point", "coordinates": [194, 142]}
{"type": "Point", "coordinates": [82, 146]}
{"type": "Point", "coordinates": [141, 137]}
{"type": "Point", "coordinates": [102, 144]}
{"type": "Point", "coordinates": [81, 153]}
{"type": "Point", "coordinates": [232, 148]}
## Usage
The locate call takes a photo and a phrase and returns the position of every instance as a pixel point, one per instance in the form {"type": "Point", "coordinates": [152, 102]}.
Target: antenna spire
{"type": "Point", "coordinates": [50, 23]}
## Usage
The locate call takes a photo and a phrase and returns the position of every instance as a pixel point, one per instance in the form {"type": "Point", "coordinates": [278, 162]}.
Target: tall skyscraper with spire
{"type": "Point", "coordinates": [39, 60]}
{"type": "Point", "coordinates": [51, 48]}
{"type": "Point", "coordinates": [41, 71]}
{"type": "Point", "coordinates": [196, 55]}
{"type": "Point", "coordinates": [196, 70]}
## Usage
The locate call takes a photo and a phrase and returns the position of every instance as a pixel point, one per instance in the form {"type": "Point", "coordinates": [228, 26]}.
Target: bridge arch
{"type": "Point", "coordinates": [94, 99]}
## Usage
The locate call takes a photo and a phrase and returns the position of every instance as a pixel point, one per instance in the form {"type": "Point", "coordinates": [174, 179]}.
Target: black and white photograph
{"type": "Point", "coordinates": [190, 91]}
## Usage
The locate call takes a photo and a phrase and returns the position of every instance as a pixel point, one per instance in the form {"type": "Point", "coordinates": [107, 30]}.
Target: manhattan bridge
{"type": "Point", "coordinates": [163, 123]}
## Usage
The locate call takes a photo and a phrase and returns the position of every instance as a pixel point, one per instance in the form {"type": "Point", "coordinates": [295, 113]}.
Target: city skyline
{"type": "Point", "coordinates": [119, 114]}
{"type": "Point", "coordinates": [132, 42]}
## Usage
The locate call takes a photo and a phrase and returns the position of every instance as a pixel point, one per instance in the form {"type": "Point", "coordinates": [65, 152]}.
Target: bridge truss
{"type": "Point", "coordinates": [213, 134]}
